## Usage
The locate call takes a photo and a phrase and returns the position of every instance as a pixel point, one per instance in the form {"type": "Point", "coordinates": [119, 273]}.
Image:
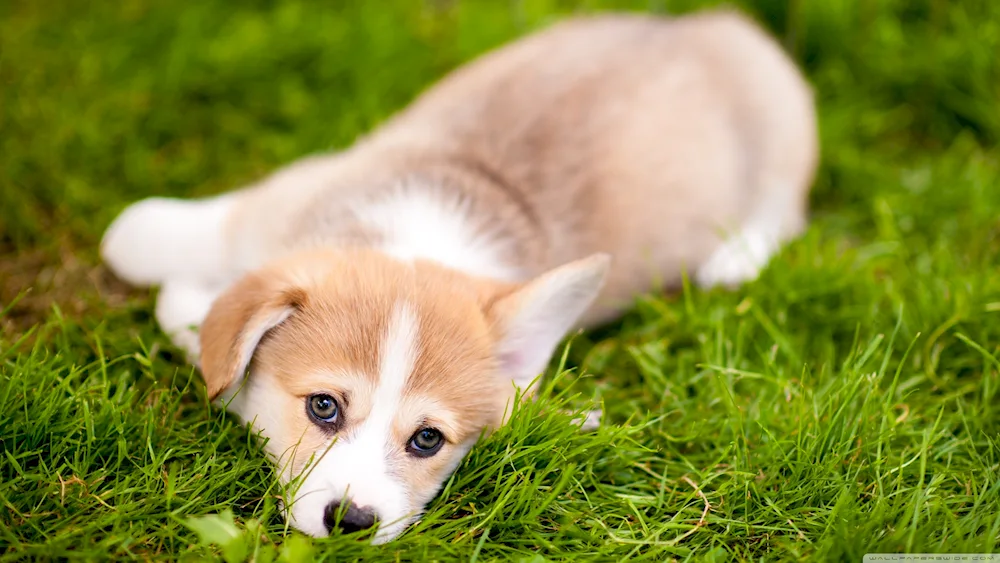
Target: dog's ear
{"type": "Point", "coordinates": [530, 321]}
{"type": "Point", "coordinates": [237, 322]}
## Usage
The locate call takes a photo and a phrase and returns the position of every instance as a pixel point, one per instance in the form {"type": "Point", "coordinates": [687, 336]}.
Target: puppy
{"type": "Point", "coordinates": [372, 312]}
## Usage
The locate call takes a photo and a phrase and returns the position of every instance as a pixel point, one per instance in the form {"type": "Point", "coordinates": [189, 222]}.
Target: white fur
{"type": "Point", "coordinates": [742, 256]}
{"type": "Point", "coordinates": [181, 307]}
{"type": "Point", "coordinates": [357, 466]}
{"type": "Point", "coordinates": [160, 238]}
{"type": "Point", "coordinates": [419, 223]}
{"type": "Point", "coordinates": [253, 402]}
{"type": "Point", "coordinates": [181, 245]}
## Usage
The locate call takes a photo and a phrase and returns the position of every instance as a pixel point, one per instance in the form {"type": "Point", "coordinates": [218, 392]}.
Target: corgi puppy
{"type": "Point", "coordinates": [373, 311]}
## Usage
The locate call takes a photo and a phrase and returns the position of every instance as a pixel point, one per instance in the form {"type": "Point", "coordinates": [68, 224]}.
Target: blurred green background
{"type": "Point", "coordinates": [791, 401]}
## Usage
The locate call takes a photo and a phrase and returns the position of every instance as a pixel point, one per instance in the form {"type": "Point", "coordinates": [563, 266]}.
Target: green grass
{"type": "Point", "coordinates": [847, 402]}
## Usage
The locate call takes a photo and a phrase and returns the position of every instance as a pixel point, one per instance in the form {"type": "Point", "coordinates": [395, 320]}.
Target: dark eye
{"type": "Point", "coordinates": [323, 408]}
{"type": "Point", "coordinates": [425, 443]}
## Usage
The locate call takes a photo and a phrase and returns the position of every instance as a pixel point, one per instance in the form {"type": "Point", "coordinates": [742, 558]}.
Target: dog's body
{"type": "Point", "coordinates": [412, 277]}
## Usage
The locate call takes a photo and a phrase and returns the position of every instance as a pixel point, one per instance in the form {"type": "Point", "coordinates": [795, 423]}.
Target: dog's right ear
{"type": "Point", "coordinates": [532, 320]}
{"type": "Point", "coordinates": [237, 322]}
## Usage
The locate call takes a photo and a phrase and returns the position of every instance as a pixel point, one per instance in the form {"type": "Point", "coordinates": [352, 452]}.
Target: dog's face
{"type": "Point", "coordinates": [372, 378]}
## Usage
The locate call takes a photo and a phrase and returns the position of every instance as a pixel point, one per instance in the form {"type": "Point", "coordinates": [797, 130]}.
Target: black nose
{"type": "Point", "coordinates": [348, 520]}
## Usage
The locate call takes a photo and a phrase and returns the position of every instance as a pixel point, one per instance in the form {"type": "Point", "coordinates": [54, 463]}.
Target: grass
{"type": "Point", "coordinates": [845, 403]}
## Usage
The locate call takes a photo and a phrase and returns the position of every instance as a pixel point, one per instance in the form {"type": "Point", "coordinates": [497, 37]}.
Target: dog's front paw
{"type": "Point", "coordinates": [128, 247]}
{"type": "Point", "coordinates": [160, 238]}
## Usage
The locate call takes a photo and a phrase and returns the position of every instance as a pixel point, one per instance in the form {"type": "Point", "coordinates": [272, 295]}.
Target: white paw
{"type": "Point", "coordinates": [738, 260]}
{"type": "Point", "coordinates": [125, 247]}
{"type": "Point", "coordinates": [158, 238]}
{"type": "Point", "coordinates": [181, 307]}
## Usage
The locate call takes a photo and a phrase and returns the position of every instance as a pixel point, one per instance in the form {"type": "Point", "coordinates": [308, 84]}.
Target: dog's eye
{"type": "Point", "coordinates": [425, 442]}
{"type": "Point", "coordinates": [323, 408]}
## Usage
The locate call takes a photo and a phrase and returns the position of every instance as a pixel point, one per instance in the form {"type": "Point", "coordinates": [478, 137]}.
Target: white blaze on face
{"type": "Point", "coordinates": [358, 467]}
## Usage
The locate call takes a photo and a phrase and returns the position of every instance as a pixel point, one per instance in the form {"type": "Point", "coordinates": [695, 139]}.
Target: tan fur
{"type": "Point", "coordinates": [241, 308]}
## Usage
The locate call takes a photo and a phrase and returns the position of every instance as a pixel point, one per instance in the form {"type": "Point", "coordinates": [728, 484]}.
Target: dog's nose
{"type": "Point", "coordinates": [348, 520]}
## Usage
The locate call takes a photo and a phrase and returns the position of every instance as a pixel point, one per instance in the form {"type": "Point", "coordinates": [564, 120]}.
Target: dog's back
{"type": "Point", "coordinates": [653, 139]}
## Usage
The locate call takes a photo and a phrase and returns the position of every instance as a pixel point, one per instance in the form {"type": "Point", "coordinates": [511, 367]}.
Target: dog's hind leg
{"type": "Point", "coordinates": [779, 211]}
{"type": "Point", "coordinates": [742, 255]}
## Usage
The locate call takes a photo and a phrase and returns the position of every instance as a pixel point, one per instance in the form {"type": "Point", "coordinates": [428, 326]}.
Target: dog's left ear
{"type": "Point", "coordinates": [237, 322]}
{"type": "Point", "coordinates": [531, 321]}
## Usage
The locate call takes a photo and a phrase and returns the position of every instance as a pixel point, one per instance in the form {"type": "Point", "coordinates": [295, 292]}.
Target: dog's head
{"type": "Point", "coordinates": [372, 378]}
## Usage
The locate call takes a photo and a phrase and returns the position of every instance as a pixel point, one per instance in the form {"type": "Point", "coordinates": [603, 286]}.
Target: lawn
{"type": "Point", "coordinates": [846, 403]}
